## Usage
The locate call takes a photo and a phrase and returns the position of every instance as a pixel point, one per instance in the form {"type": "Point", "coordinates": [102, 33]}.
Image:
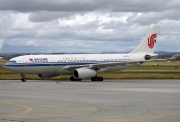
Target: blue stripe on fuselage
{"type": "Point", "coordinates": [12, 64]}
{"type": "Point", "coordinates": [47, 64]}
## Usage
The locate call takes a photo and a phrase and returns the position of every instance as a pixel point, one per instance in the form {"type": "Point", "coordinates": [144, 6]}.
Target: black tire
{"type": "Point", "coordinates": [97, 79]}
{"type": "Point", "coordinates": [71, 78]}
{"type": "Point", "coordinates": [79, 79]}
{"type": "Point", "coordinates": [74, 79]}
{"type": "Point", "coordinates": [93, 79]}
{"type": "Point", "coordinates": [101, 78]}
{"type": "Point", "coordinates": [23, 79]}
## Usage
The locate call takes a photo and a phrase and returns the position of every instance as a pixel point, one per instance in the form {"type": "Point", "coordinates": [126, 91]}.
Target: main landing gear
{"type": "Point", "coordinates": [97, 78]}
{"type": "Point", "coordinates": [23, 79]}
{"type": "Point", "coordinates": [74, 79]}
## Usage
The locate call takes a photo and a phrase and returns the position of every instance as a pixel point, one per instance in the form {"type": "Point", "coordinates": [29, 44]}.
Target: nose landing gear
{"type": "Point", "coordinates": [23, 79]}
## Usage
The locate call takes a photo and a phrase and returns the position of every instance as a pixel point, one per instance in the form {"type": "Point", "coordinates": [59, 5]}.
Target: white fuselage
{"type": "Point", "coordinates": [56, 64]}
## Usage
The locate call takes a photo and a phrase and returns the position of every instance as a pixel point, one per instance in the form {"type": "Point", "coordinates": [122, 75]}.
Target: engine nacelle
{"type": "Point", "coordinates": [46, 75]}
{"type": "Point", "coordinates": [84, 73]}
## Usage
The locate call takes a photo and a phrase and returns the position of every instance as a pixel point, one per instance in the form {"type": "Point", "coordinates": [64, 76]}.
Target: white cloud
{"type": "Point", "coordinates": [21, 22]}
{"type": "Point", "coordinates": [86, 26]}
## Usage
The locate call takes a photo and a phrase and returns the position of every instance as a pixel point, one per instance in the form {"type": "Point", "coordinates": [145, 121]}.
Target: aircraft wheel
{"type": "Point", "coordinates": [23, 79]}
{"type": "Point", "coordinates": [101, 78]}
{"type": "Point", "coordinates": [97, 78]}
{"type": "Point", "coordinates": [71, 78]}
{"type": "Point", "coordinates": [74, 79]}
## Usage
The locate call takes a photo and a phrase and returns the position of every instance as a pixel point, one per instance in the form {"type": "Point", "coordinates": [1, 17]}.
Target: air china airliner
{"type": "Point", "coordinates": [83, 66]}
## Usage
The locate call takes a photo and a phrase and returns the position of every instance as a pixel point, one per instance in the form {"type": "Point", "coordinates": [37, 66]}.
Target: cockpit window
{"type": "Point", "coordinates": [12, 61]}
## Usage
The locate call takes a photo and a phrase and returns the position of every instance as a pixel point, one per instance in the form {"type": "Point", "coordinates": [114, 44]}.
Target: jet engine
{"type": "Point", "coordinates": [46, 75]}
{"type": "Point", "coordinates": [83, 73]}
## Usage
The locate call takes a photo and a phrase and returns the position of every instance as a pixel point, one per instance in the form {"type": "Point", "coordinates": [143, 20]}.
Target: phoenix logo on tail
{"type": "Point", "coordinates": [152, 40]}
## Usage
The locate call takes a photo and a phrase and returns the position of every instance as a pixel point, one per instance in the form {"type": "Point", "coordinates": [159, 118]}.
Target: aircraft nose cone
{"type": "Point", "coordinates": [6, 65]}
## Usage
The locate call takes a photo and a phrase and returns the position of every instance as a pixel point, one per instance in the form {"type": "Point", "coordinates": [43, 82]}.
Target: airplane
{"type": "Point", "coordinates": [83, 66]}
{"type": "Point", "coordinates": [1, 45]}
{"type": "Point", "coordinates": [173, 58]}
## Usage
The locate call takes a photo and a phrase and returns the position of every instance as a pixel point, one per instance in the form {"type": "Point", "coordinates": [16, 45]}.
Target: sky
{"type": "Point", "coordinates": [87, 26]}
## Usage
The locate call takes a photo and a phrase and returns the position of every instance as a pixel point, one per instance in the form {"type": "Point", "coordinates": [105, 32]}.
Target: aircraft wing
{"type": "Point", "coordinates": [101, 65]}
{"type": "Point", "coordinates": [111, 64]}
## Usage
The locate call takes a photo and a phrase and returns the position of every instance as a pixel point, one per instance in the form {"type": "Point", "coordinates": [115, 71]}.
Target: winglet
{"type": "Point", "coordinates": [147, 45]}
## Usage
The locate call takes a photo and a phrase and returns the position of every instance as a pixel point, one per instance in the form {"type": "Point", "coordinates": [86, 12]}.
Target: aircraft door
{"type": "Point", "coordinates": [25, 61]}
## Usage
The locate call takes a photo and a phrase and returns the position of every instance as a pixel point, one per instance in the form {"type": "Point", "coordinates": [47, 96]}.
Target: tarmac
{"type": "Point", "coordinates": [107, 101]}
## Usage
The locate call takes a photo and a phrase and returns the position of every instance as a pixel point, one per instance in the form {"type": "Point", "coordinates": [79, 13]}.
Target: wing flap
{"type": "Point", "coordinates": [100, 65]}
